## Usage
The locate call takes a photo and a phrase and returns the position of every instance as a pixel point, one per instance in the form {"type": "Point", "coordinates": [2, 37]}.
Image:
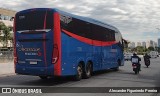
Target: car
{"type": "Point", "coordinates": [153, 54]}
{"type": "Point", "coordinates": [1, 54]}
{"type": "Point", "coordinates": [127, 56]}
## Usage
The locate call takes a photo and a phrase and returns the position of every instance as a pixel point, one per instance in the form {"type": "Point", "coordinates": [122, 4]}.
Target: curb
{"type": "Point", "coordinates": [7, 75]}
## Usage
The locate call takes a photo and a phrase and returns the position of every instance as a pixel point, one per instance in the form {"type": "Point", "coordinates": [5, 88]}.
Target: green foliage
{"type": "Point", "coordinates": [140, 50]}
{"type": "Point", "coordinates": [151, 49]}
{"type": "Point", "coordinates": [2, 26]}
{"type": "Point", "coordinates": [6, 32]}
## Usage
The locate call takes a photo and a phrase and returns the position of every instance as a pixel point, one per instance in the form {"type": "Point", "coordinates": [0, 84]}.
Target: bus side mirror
{"type": "Point", "coordinates": [125, 43]}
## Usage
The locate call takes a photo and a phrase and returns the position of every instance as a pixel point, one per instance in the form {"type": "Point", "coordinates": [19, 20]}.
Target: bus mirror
{"type": "Point", "coordinates": [125, 43]}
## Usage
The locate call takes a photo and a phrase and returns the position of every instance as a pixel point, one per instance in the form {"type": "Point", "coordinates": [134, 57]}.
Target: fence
{"type": "Point", "coordinates": [6, 56]}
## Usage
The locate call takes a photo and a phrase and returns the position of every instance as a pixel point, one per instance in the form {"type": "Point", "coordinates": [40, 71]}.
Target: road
{"type": "Point", "coordinates": [125, 77]}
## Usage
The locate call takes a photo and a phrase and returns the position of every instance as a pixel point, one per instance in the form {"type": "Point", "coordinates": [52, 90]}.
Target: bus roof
{"type": "Point", "coordinates": [90, 20]}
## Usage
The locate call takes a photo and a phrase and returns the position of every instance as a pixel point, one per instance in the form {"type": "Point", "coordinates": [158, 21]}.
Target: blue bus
{"type": "Point", "coordinates": [49, 42]}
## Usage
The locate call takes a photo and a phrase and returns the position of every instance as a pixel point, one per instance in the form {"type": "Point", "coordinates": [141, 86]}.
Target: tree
{"type": "Point", "coordinates": [140, 49]}
{"type": "Point", "coordinates": [151, 48]}
{"type": "Point", "coordinates": [6, 34]}
{"type": "Point", "coordinates": [2, 27]}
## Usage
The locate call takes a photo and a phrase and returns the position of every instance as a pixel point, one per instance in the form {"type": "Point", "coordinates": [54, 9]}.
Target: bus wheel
{"type": "Point", "coordinates": [79, 73]}
{"type": "Point", "coordinates": [44, 77]}
{"type": "Point", "coordinates": [88, 72]}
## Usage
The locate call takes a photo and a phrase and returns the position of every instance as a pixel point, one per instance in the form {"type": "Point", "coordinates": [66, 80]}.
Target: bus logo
{"type": "Point", "coordinates": [65, 19]}
{"type": "Point", "coordinates": [6, 90]}
{"type": "Point", "coordinates": [29, 49]}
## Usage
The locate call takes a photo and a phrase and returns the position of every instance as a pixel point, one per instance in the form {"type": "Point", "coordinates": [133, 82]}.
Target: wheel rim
{"type": "Point", "coordinates": [79, 70]}
{"type": "Point", "coordinates": [89, 70]}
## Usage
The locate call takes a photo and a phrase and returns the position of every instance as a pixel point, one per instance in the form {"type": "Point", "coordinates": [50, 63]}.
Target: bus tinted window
{"type": "Point", "coordinates": [33, 20]}
{"type": "Point", "coordinates": [102, 34]}
{"type": "Point", "coordinates": [49, 20]}
{"type": "Point", "coordinates": [88, 30]}
{"type": "Point", "coordinates": [77, 27]}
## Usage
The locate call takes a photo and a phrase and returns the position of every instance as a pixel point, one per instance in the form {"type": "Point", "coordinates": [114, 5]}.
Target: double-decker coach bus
{"type": "Point", "coordinates": [49, 42]}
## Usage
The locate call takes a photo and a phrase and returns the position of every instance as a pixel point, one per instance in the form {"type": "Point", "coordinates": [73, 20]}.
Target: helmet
{"type": "Point", "coordinates": [134, 54]}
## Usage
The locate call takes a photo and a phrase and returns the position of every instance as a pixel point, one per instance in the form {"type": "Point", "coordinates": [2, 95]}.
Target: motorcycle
{"type": "Point", "coordinates": [136, 68]}
{"type": "Point", "coordinates": [147, 62]}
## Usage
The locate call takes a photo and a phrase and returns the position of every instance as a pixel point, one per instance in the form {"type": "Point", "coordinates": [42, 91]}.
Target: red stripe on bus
{"type": "Point", "coordinates": [15, 51]}
{"type": "Point", "coordinates": [44, 42]}
{"type": "Point", "coordinates": [89, 41]}
{"type": "Point", "coordinates": [44, 51]}
{"type": "Point", "coordinates": [57, 41]}
{"type": "Point", "coordinates": [44, 25]}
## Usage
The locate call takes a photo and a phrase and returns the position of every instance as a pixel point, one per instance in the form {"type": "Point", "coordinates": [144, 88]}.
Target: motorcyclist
{"type": "Point", "coordinates": [147, 59]}
{"type": "Point", "coordinates": [136, 60]}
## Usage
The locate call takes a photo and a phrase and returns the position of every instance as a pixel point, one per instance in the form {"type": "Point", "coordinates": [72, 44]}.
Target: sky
{"type": "Point", "coordinates": [137, 20]}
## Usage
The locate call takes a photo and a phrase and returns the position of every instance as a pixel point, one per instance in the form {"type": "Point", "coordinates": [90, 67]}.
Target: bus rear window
{"type": "Point", "coordinates": [33, 20]}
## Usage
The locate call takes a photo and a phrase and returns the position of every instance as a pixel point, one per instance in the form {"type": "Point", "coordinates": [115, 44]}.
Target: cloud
{"type": "Point", "coordinates": [118, 10]}
{"type": "Point", "coordinates": [133, 18]}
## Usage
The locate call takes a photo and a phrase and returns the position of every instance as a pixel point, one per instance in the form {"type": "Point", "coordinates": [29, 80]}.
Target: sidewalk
{"type": "Point", "coordinates": [6, 68]}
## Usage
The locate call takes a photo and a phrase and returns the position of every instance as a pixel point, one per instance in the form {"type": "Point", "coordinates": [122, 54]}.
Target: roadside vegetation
{"type": "Point", "coordinates": [5, 34]}
{"type": "Point", "coordinates": [140, 50]}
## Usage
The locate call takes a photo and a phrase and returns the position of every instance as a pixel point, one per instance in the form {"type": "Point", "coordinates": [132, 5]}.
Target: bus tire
{"type": "Point", "coordinates": [78, 76]}
{"type": "Point", "coordinates": [43, 77]}
{"type": "Point", "coordinates": [116, 68]}
{"type": "Point", "coordinates": [88, 71]}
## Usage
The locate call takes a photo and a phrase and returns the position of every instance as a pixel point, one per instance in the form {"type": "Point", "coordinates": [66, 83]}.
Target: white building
{"type": "Point", "coordinates": [132, 45]}
{"type": "Point", "coordinates": [144, 44]}
{"type": "Point", "coordinates": [151, 43]}
{"type": "Point", "coordinates": [139, 44]}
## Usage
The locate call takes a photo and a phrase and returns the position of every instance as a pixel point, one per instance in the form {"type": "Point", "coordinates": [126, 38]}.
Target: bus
{"type": "Point", "coordinates": [50, 42]}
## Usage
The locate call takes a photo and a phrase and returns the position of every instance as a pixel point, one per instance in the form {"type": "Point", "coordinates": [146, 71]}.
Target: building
{"type": "Point", "coordinates": [144, 44]}
{"type": "Point", "coordinates": [151, 43]}
{"type": "Point", "coordinates": [139, 44]}
{"type": "Point", "coordinates": [159, 42]}
{"type": "Point", "coordinates": [7, 17]}
{"type": "Point", "coordinates": [155, 44]}
{"type": "Point", "coordinates": [131, 45]}
{"type": "Point", "coordinates": [6, 14]}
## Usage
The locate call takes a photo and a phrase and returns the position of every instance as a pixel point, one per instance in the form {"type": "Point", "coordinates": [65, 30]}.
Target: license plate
{"type": "Point", "coordinates": [134, 66]}
{"type": "Point", "coordinates": [33, 62]}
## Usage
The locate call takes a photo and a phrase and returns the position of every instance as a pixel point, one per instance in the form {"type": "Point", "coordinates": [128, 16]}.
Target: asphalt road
{"type": "Point", "coordinates": [125, 77]}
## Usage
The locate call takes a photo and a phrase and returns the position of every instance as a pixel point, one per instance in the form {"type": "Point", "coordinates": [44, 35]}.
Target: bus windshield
{"type": "Point", "coordinates": [34, 19]}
